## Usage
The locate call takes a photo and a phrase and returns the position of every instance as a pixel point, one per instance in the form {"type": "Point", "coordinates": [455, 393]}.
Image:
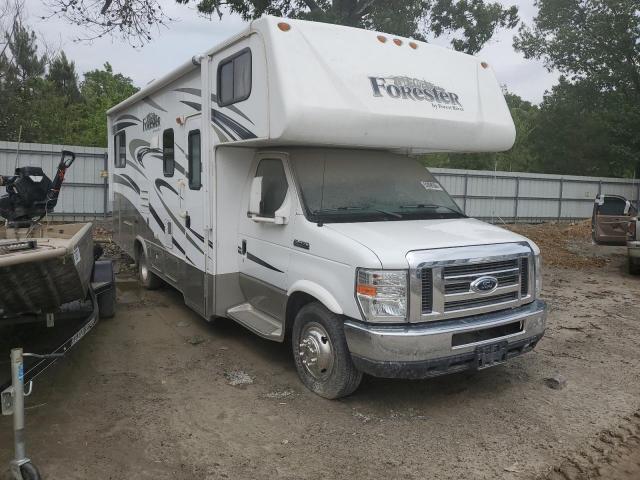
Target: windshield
{"type": "Point", "coordinates": [360, 185]}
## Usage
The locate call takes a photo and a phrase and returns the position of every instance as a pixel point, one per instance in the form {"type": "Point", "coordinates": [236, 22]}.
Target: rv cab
{"type": "Point", "coordinates": [277, 180]}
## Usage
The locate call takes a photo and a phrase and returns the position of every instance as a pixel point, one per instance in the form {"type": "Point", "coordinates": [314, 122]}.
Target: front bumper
{"type": "Point", "coordinates": [437, 348]}
{"type": "Point", "coordinates": [633, 248]}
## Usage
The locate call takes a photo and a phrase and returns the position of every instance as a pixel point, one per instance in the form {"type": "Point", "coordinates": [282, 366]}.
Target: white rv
{"type": "Point", "coordinates": [273, 180]}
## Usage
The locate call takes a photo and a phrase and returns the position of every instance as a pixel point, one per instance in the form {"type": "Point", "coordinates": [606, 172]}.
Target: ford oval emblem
{"type": "Point", "coordinates": [485, 284]}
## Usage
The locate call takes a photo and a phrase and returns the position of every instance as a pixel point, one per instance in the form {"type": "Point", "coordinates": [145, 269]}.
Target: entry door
{"type": "Point", "coordinates": [263, 245]}
{"type": "Point", "coordinates": [192, 216]}
{"type": "Point", "coordinates": [610, 221]}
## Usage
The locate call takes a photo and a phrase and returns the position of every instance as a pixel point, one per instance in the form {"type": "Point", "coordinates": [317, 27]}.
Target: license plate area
{"type": "Point", "coordinates": [491, 355]}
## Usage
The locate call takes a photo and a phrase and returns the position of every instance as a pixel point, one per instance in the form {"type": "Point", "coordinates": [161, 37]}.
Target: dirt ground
{"type": "Point", "coordinates": [150, 394]}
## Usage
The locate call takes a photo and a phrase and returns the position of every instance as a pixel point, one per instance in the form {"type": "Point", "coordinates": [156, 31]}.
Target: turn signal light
{"type": "Point", "coordinates": [284, 26]}
{"type": "Point", "coordinates": [368, 290]}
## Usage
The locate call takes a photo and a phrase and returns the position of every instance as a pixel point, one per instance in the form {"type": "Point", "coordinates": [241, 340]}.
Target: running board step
{"type": "Point", "coordinates": [258, 322]}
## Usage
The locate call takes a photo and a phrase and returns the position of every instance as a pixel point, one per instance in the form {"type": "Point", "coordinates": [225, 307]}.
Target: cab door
{"type": "Point", "coordinates": [264, 238]}
{"type": "Point", "coordinates": [610, 219]}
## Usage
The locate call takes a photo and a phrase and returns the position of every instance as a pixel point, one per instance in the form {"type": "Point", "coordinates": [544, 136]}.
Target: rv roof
{"type": "Point", "coordinates": [342, 86]}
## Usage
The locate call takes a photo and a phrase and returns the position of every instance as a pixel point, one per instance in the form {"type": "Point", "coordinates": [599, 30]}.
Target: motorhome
{"type": "Point", "coordinates": [276, 180]}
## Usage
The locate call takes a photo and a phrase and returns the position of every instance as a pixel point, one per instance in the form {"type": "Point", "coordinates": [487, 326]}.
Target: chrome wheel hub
{"type": "Point", "coordinates": [144, 271]}
{"type": "Point", "coordinates": [316, 351]}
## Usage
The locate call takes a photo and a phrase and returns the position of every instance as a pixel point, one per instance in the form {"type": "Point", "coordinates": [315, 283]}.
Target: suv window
{"type": "Point", "coordinates": [168, 149]}
{"type": "Point", "coordinates": [234, 78]}
{"type": "Point", "coordinates": [612, 206]}
{"type": "Point", "coordinates": [274, 186]}
{"type": "Point", "coordinates": [120, 148]}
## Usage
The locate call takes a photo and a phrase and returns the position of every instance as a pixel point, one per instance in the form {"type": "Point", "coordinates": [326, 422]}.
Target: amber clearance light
{"type": "Point", "coordinates": [397, 41]}
{"type": "Point", "coordinates": [382, 39]}
{"type": "Point", "coordinates": [284, 26]}
{"type": "Point", "coordinates": [413, 45]}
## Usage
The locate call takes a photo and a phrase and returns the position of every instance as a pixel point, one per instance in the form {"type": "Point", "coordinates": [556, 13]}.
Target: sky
{"type": "Point", "coordinates": [191, 34]}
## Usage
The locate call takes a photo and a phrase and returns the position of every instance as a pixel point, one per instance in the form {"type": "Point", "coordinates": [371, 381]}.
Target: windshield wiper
{"type": "Point", "coordinates": [430, 205]}
{"type": "Point", "coordinates": [346, 209]}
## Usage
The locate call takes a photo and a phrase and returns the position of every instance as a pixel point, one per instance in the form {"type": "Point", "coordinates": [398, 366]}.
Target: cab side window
{"type": "Point", "coordinates": [120, 148]}
{"type": "Point", "coordinates": [274, 186]}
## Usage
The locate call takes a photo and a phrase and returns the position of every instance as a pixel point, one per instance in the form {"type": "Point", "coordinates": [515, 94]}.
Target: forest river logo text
{"type": "Point", "coordinates": [150, 122]}
{"type": "Point", "coordinates": [407, 88]}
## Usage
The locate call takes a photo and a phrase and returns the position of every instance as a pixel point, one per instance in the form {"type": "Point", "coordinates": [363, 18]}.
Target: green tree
{"type": "Point", "coordinates": [63, 77]}
{"type": "Point", "coordinates": [594, 40]}
{"type": "Point", "coordinates": [471, 22]}
{"type": "Point", "coordinates": [100, 90]}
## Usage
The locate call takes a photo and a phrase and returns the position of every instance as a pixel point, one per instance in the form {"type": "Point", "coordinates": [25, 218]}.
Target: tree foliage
{"type": "Point", "coordinates": [471, 23]}
{"type": "Point", "coordinates": [42, 101]}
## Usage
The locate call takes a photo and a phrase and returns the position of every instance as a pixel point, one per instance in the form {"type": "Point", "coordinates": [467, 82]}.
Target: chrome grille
{"type": "Point", "coordinates": [442, 287]}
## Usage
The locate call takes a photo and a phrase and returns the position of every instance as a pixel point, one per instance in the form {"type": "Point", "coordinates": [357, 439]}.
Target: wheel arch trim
{"type": "Point", "coordinates": [318, 292]}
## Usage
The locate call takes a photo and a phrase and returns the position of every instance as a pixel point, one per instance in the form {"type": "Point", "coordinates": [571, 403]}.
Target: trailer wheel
{"type": "Point", "coordinates": [29, 472]}
{"type": "Point", "coordinates": [321, 353]}
{"type": "Point", "coordinates": [147, 278]}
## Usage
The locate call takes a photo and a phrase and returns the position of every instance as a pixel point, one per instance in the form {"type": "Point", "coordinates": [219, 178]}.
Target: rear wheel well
{"type": "Point", "coordinates": [296, 301]}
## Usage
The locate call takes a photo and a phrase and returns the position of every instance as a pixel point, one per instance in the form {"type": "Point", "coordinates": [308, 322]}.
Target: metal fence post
{"type": "Point", "coordinates": [515, 200]}
{"type": "Point", "coordinates": [464, 198]}
{"type": "Point", "coordinates": [560, 199]}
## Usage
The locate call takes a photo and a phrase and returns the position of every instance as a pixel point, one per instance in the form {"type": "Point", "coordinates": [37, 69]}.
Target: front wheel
{"type": "Point", "coordinates": [321, 353]}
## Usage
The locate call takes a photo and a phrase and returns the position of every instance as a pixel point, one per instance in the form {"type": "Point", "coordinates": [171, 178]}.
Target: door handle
{"type": "Point", "coordinates": [243, 249]}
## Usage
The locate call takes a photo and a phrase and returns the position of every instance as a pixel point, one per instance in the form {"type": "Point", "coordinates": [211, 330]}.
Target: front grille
{"type": "Point", "coordinates": [447, 290]}
{"type": "Point", "coordinates": [480, 302]}
{"type": "Point", "coordinates": [427, 290]}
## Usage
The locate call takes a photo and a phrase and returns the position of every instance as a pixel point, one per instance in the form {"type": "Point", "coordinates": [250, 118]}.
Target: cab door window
{"type": "Point", "coordinates": [274, 186]}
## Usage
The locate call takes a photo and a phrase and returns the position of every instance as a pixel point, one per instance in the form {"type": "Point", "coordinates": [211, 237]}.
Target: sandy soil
{"type": "Point", "coordinates": [147, 395]}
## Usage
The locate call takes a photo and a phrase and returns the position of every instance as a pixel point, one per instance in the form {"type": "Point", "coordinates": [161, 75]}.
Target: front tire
{"type": "Point", "coordinates": [147, 278]}
{"type": "Point", "coordinates": [321, 353]}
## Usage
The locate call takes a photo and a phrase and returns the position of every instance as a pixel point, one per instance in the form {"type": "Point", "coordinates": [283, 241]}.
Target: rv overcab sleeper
{"type": "Point", "coordinates": [273, 180]}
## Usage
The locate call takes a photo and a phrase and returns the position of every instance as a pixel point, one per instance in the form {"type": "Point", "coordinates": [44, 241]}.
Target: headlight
{"type": "Point", "coordinates": [382, 294]}
{"type": "Point", "coordinates": [538, 272]}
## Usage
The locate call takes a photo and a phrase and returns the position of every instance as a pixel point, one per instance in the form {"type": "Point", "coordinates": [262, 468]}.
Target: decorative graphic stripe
{"type": "Point", "coordinates": [233, 108]}
{"type": "Point", "coordinates": [121, 126]}
{"type": "Point", "coordinates": [198, 236]}
{"type": "Point", "coordinates": [121, 181]}
{"type": "Point", "coordinates": [163, 183]}
{"type": "Point", "coordinates": [223, 138]}
{"type": "Point", "coordinates": [259, 261]}
{"type": "Point", "coordinates": [135, 144]}
{"type": "Point", "coordinates": [126, 116]}
{"type": "Point", "coordinates": [241, 131]}
{"type": "Point", "coordinates": [156, 217]}
{"type": "Point", "coordinates": [148, 101]}
{"type": "Point", "coordinates": [130, 180]}
{"type": "Point", "coordinates": [198, 93]}
{"type": "Point", "coordinates": [136, 168]}
{"type": "Point", "coordinates": [177, 245]}
{"type": "Point", "coordinates": [198, 107]}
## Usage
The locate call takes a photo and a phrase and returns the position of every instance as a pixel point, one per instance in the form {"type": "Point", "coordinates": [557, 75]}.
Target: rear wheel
{"type": "Point", "coordinates": [321, 353]}
{"type": "Point", "coordinates": [147, 278]}
{"type": "Point", "coordinates": [29, 472]}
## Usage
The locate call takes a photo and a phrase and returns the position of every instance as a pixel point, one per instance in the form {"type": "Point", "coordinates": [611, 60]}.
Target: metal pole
{"type": "Point", "coordinates": [515, 203]}
{"type": "Point", "coordinates": [560, 199]}
{"type": "Point", "coordinates": [105, 198]}
{"type": "Point", "coordinates": [464, 198]}
{"type": "Point", "coordinates": [17, 379]}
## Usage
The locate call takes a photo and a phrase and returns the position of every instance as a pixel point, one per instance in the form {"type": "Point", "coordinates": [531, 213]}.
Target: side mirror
{"type": "Point", "coordinates": [255, 196]}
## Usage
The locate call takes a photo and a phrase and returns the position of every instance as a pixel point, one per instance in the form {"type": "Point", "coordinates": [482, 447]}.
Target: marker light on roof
{"type": "Point", "coordinates": [484, 64]}
{"type": "Point", "coordinates": [413, 45]}
{"type": "Point", "coordinates": [382, 38]}
{"type": "Point", "coordinates": [397, 41]}
{"type": "Point", "coordinates": [284, 26]}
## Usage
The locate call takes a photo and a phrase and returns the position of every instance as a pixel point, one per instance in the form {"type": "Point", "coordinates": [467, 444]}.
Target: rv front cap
{"type": "Point", "coordinates": [413, 89]}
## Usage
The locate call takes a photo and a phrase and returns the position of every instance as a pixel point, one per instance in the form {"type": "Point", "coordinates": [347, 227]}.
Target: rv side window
{"type": "Point", "coordinates": [234, 78]}
{"type": "Point", "coordinates": [120, 148]}
{"type": "Point", "coordinates": [195, 166]}
{"type": "Point", "coordinates": [274, 186]}
{"type": "Point", "coordinates": [168, 159]}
